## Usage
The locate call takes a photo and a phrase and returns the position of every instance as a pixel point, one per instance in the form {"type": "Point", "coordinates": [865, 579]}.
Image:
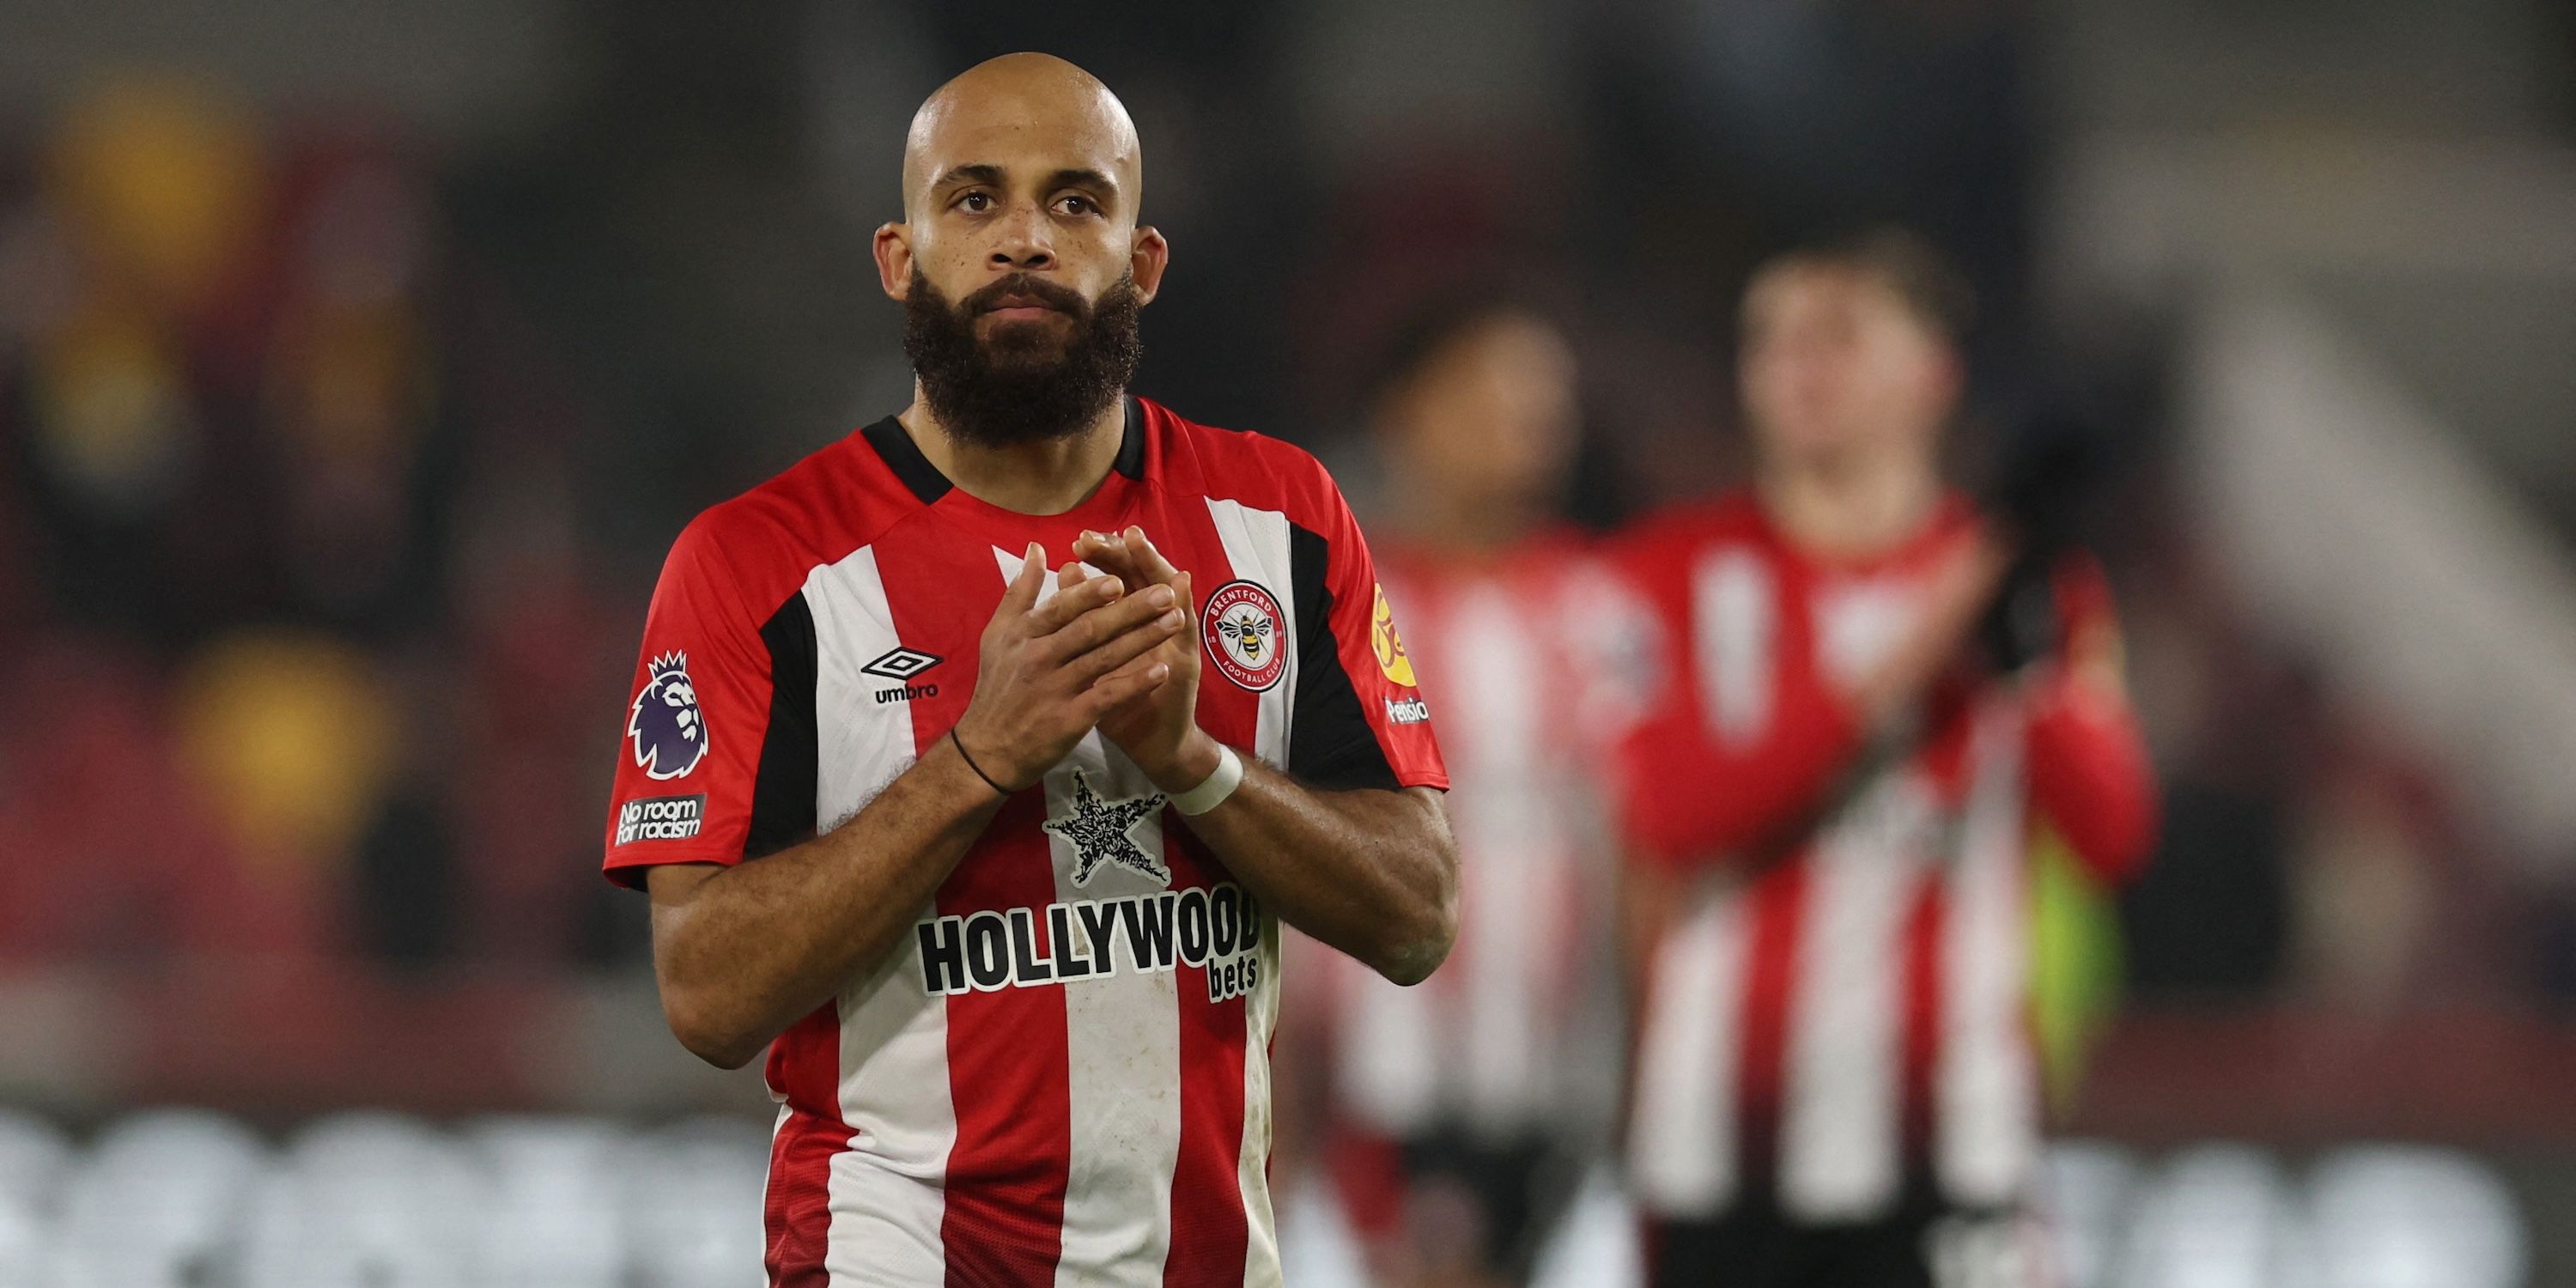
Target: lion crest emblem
{"type": "Point", "coordinates": [665, 726]}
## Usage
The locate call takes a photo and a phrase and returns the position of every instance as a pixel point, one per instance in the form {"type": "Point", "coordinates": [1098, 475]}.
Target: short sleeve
{"type": "Point", "coordinates": [1359, 720]}
{"type": "Point", "coordinates": [697, 715]}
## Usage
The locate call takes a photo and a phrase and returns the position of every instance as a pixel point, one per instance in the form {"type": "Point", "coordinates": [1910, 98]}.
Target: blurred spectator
{"type": "Point", "coordinates": [240, 376]}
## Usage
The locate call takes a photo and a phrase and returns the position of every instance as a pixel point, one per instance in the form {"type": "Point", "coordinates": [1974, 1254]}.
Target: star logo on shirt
{"type": "Point", "coordinates": [1099, 829]}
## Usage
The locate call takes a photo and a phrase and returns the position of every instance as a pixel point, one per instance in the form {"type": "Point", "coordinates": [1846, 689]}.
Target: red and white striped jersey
{"type": "Point", "coordinates": [1509, 1037]}
{"type": "Point", "coordinates": [1062, 1076]}
{"type": "Point", "coordinates": [1836, 1009]}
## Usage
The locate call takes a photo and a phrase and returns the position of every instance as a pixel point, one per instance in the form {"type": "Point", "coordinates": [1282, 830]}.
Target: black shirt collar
{"type": "Point", "coordinates": [924, 480]}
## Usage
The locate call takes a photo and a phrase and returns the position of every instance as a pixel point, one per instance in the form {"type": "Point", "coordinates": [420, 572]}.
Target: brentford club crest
{"type": "Point", "coordinates": [1245, 636]}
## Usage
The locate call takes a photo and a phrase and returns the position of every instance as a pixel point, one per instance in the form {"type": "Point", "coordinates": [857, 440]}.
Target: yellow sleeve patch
{"type": "Point", "coordinates": [1391, 657]}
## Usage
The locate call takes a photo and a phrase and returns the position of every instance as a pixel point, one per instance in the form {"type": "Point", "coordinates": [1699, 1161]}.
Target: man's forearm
{"type": "Point", "coordinates": [1373, 873]}
{"type": "Point", "coordinates": [743, 952]}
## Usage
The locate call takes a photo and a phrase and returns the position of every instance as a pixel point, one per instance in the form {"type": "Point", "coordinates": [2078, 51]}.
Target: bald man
{"type": "Point", "coordinates": [975, 760]}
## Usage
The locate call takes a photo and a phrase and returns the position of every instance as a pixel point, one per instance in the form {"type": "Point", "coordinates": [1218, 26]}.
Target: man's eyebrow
{"type": "Point", "coordinates": [1082, 177]}
{"type": "Point", "coordinates": [979, 172]}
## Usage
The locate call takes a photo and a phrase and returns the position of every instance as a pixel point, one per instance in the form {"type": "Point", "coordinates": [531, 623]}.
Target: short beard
{"type": "Point", "coordinates": [1022, 385]}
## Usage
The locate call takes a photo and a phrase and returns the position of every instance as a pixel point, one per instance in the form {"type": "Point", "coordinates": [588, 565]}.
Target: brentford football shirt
{"type": "Point", "coordinates": [1512, 1038]}
{"type": "Point", "coordinates": [1835, 1015]}
{"type": "Point", "coordinates": [1061, 1075]}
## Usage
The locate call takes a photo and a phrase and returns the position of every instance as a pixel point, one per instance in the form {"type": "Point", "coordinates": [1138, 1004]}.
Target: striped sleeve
{"type": "Point", "coordinates": [1360, 717]}
{"type": "Point", "coordinates": [708, 769]}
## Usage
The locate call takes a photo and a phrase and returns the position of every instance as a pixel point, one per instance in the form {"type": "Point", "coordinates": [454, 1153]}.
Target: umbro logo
{"type": "Point", "coordinates": [901, 665]}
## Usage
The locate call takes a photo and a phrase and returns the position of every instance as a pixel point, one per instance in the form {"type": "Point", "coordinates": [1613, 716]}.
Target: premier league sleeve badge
{"type": "Point", "coordinates": [665, 727]}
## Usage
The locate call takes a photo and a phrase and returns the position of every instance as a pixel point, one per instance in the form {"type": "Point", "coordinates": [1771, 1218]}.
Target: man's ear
{"type": "Point", "coordinates": [893, 249]}
{"type": "Point", "coordinates": [1146, 262]}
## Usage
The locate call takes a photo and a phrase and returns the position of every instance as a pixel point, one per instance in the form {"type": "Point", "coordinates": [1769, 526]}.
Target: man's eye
{"type": "Point", "coordinates": [1077, 205]}
{"type": "Point", "coordinates": [976, 202]}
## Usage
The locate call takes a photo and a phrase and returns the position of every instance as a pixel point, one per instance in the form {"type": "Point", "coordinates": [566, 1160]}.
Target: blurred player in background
{"type": "Point", "coordinates": [1831, 796]}
{"type": "Point", "coordinates": [1464, 1109]}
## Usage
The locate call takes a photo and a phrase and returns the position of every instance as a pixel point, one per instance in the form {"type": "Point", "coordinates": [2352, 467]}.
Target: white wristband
{"type": "Point", "coordinates": [1212, 790]}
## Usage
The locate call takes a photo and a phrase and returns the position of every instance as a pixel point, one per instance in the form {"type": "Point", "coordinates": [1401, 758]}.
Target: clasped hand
{"type": "Point", "coordinates": [1117, 651]}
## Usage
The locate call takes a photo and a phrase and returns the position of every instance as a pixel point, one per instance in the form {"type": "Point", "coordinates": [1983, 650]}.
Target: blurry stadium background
{"type": "Point", "coordinates": [358, 362]}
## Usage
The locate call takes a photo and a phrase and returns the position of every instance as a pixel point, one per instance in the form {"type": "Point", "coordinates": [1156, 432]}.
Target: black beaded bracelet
{"type": "Point", "coordinates": [970, 762]}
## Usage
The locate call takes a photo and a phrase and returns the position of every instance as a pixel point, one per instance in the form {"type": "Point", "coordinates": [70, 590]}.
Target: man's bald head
{"type": "Point", "coordinates": [1006, 103]}
{"type": "Point", "coordinates": [1020, 262]}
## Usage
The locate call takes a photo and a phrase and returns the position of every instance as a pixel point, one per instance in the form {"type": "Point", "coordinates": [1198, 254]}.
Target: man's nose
{"type": "Point", "coordinates": [1026, 240]}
